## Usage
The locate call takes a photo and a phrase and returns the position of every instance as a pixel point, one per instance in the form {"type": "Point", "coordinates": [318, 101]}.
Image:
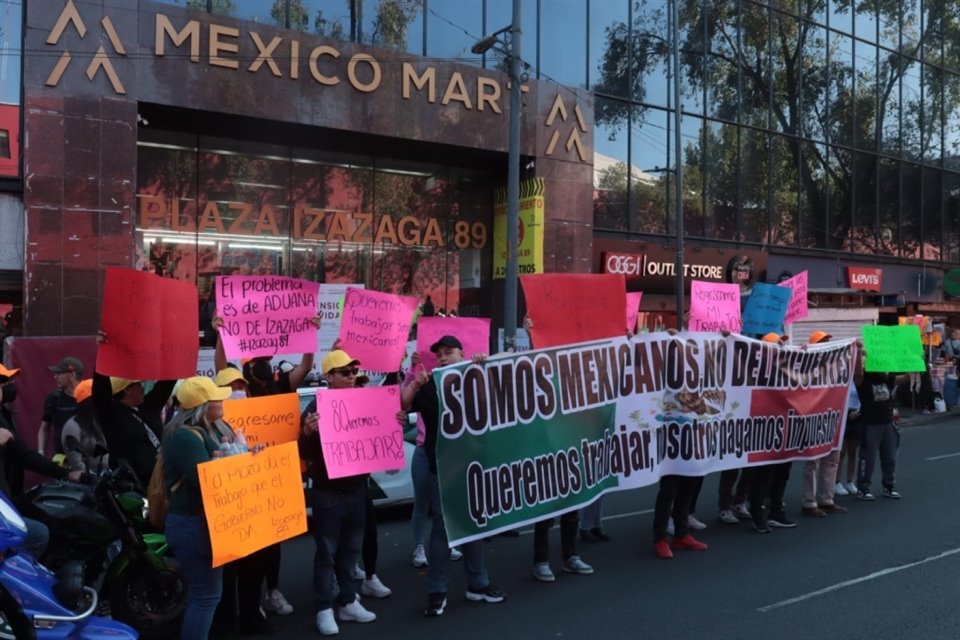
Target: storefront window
{"type": "Point", "coordinates": [10, 50]}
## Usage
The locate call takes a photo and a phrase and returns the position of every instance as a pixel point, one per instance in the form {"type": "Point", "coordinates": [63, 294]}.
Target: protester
{"type": "Point", "coordinates": [851, 444]}
{"type": "Point", "coordinates": [879, 434]}
{"type": "Point", "coordinates": [61, 404]}
{"type": "Point", "coordinates": [233, 378]}
{"type": "Point", "coordinates": [733, 504]}
{"type": "Point", "coordinates": [82, 438]}
{"type": "Point", "coordinates": [192, 441]}
{"type": "Point", "coordinates": [339, 511]}
{"type": "Point", "coordinates": [591, 522]}
{"type": "Point", "coordinates": [569, 523]}
{"type": "Point", "coordinates": [819, 476]}
{"type": "Point", "coordinates": [421, 396]}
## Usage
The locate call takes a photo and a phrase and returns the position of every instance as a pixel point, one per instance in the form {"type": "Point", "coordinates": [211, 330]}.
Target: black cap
{"type": "Point", "coordinates": [446, 341]}
{"type": "Point", "coordinates": [68, 365]}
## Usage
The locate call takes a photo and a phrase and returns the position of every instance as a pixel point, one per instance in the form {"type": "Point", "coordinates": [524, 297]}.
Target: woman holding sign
{"type": "Point", "coordinates": [190, 443]}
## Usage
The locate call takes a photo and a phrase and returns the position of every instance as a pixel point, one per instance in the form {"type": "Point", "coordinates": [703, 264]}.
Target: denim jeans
{"type": "Point", "coordinates": [338, 521]}
{"type": "Point", "coordinates": [190, 543]}
{"type": "Point", "coordinates": [885, 440]}
{"type": "Point", "coordinates": [438, 552]}
{"type": "Point", "coordinates": [420, 472]}
{"type": "Point", "coordinates": [591, 516]}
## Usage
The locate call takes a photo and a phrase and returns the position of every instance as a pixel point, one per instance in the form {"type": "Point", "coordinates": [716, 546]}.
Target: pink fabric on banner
{"type": "Point", "coordinates": [633, 309]}
{"type": "Point", "coordinates": [375, 326]}
{"type": "Point", "coordinates": [359, 432]}
{"type": "Point", "coordinates": [473, 334]}
{"type": "Point", "coordinates": [266, 315]}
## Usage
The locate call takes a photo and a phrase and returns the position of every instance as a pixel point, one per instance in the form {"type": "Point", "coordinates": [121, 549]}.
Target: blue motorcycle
{"type": "Point", "coordinates": [35, 603]}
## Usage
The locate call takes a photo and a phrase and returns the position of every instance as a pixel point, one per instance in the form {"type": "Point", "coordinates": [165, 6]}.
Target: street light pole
{"type": "Point", "coordinates": [513, 188]}
{"type": "Point", "coordinates": [677, 161]}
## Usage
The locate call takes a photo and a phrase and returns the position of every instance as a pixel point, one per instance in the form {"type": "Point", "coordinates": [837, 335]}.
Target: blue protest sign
{"type": "Point", "coordinates": [766, 309]}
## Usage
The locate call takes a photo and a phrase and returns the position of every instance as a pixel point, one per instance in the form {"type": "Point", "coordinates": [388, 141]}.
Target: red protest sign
{"type": "Point", "coordinates": [567, 308]}
{"type": "Point", "coordinates": [152, 326]}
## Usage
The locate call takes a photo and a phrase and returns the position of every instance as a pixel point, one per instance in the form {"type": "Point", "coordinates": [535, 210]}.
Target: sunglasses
{"type": "Point", "coordinates": [346, 373]}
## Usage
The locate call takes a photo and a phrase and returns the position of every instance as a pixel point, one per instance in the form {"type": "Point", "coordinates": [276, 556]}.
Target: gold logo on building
{"type": "Point", "coordinates": [573, 140]}
{"type": "Point", "coordinates": [100, 59]}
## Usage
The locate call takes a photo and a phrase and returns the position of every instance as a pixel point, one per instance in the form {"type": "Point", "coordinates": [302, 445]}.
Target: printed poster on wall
{"type": "Point", "coordinates": [530, 233]}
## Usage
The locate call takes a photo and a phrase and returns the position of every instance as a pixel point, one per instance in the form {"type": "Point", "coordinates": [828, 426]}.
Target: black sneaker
{"type": "Point", "coordinates": [436, 603]}
{"type": "Point", "coordinates": [890, 493]}
{"type": "Point", "coordinates": [488, 593]}
{"type": "Point", "coordinates": [761, 523]}
{"type": "Point", "coordinates": [779, 520]}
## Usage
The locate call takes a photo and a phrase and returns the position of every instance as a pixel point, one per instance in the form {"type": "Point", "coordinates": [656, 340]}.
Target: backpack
{"type": "Point", "coordinates": [158, 497]}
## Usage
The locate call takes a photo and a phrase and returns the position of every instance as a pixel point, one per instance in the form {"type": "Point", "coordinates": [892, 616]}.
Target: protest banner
{"type": "Point", "coordinates": [527, 436]}
{"type": "Point", "coordinates": [375, 326]}
{"type": "Point", "coordinates": [473, 333]}
{"type": "Point", "coordinates": [797, 309]}
{"type": "Point", "coordinates": [359, 432]}
{"type": "Point", "coordinates": [566, 308]}
{"type": "Point", "coordinates": [529, 233]}
{"type": "Point", "coordinates": [893, 349]}
{"type": "Point", "coordinates": [151, 324]}
{"type": "Point", "coordinates": [714, 306]}
{"type": "Point", "coordinates": [267, 420]}
{"type": "Point", "coordinates": [266, 315]}
{"type": "Point", "coordinates": [252, 501]}
{"type": "Point", "coordinates": [765, 309]}
{"type": "Point", "coordinates": [633, 309]}
{"type": "Point", "coordinates": [331, 311]}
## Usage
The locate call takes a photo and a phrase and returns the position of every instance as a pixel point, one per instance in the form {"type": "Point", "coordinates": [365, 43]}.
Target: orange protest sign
{"type": "Point", "coordinates": [252, 501]}
{"type": "Point", "coordinates": [265, 420]}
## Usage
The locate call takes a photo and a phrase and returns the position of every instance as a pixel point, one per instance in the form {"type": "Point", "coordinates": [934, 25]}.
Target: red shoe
{"type": "Point", "coordinates": [689, 542]}
{"type": "Point", "coordinates": [661, 549]}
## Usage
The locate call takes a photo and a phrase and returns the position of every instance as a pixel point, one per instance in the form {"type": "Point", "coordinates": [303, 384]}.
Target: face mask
{"type": "Point", "coordinates": [261, 370]}
{"type": "Point", "coordinates": [239, 394]}
{"type": "Point", "coordinates": [9, 392]}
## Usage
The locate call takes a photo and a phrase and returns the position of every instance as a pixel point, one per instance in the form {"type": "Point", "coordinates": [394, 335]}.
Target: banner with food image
{"type": "Point", "coordinates": [527, 436]}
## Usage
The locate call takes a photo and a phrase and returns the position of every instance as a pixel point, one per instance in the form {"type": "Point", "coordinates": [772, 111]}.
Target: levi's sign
{"type": "Point", "coordinates": [865, 279]}
{"type": "Point", "coordinates": [636, 265]}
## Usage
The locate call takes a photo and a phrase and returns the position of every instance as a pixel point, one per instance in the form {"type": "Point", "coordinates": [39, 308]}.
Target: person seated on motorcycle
{"type": "Point", "coordinates": [131, 418]}
{"type": "Point", "coordinates": [82, 438]}
{"type": "Point", "coordinates": [17, 454]}
{"type": "Point", "coordinates": [191, 442]}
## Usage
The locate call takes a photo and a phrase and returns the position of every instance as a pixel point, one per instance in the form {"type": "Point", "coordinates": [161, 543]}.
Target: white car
{"type": "Point", "coordinates": [387, 488]}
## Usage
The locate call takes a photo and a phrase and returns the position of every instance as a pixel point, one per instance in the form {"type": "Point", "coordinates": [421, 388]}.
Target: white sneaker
{"type": "Point", "coordinates": [742, 511]}
{"type": "Point", "coordinates": [326, 624]}
{"type": "Point", "coordinates": [276, 603]}
{"type": "Point", "coordinates": [852, 488]}
{"type": "Point", "coordinates": [356, 613]}
{"type": "Point", "coordinates": [543, 573]}
{"type": "Point", "coordinates": [456, 554]}
{"type": "Point", "coordinates": [373, 587]}
{"type": "Point", "coordinates": [574, 564]}
{"type": "Point", "coordinates": [670, 527]}
{"type": "Point", "coordinates": [727, 517]}
{"type": "Point", "coordinates": [695, 524]}
{"type": "Point", "coordinates": [419, 557]}
{"type": "Point", "coordinates": [358, 572]}
{"type": "Point", "coordinates": [840, 490]}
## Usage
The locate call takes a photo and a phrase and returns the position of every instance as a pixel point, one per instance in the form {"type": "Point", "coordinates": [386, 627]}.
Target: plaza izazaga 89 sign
{"type": "Point", "coordinates": [529, 435]}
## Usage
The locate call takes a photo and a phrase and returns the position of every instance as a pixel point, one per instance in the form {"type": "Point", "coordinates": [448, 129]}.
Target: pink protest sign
{"type": "Point", "coordinates": [797, 308]}
{"type": "Point", "coordinates": [266, 315]}
{"type": "Point", "coordinates": [714, 306]}
{"type": "Point", "coordinates": [473, 334]}
{"type": "Point", "coordinates": [359, 432]}
{"type": "Point", "coordinates": [633, 309]}
{"type": "Point", "coordinates": [374, 327]}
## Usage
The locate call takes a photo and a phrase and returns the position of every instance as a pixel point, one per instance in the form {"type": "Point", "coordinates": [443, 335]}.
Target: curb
{"type": "Point", "coordinates": [921, 419]}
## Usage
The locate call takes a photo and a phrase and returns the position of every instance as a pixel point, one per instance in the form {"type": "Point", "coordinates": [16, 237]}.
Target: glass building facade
{"type": "Point", "coordinates": [811, 125]}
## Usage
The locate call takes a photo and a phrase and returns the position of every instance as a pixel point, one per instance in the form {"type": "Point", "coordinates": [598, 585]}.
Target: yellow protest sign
{"type": "Point", "coordinates": [529, 235]}
{"type": "Point", "coordinates": [252, 501]}
{"type": "Point", "coordinates": [267, 420]}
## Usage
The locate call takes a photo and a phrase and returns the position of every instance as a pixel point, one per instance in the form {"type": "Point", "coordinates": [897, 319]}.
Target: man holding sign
{"type": "Point", "coordinates": [339, 511]}
{"type": "Point", "coordinates": [421, 396]}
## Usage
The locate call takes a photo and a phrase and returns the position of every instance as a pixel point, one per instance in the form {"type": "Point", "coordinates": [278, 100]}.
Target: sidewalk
{"type": "Point", "coordinates": [916, 417]}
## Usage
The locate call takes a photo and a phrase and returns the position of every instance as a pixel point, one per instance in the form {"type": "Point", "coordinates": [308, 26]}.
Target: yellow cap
{"type": "Point", "coordinates": [225, 377]}
{"type": "Point", "coordinates": [197, 390]}
{"type": "Point", "coordinates": [83, 390]}
{"type": "Point", "coordinates": [819, 336]}
{"type": "Point", "coordinates": [8, 373]}
{"type": "Point", "coordinates": [119, 384]}
{"type": "Point", "coordinates": [336, 359]}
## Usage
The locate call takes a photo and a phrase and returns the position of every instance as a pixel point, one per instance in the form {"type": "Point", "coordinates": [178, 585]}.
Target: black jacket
{"type": "Point", "coordinates": [17, 456]}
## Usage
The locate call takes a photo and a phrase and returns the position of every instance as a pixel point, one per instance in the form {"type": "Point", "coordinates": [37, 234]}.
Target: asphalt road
{"type": "Point", "coordinates": [887, 569]}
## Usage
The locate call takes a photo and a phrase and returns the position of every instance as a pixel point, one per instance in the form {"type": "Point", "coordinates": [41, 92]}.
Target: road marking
{"type": "Point", "coordinates": [947, 455]}
{"type": "Point", "coordinates": [616, 517]}
{"type": "Point", "coordinates": [850, 583]}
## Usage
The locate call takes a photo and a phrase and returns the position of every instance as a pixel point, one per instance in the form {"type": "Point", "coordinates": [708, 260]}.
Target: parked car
{"type": "Point", "coordinates": [388, 488]}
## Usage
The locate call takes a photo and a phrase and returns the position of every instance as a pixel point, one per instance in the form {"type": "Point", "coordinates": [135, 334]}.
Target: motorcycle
{"type": "Point", "coordinates": [36, 604]}
{"type": "Point", "coordinates": [103, 523]}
